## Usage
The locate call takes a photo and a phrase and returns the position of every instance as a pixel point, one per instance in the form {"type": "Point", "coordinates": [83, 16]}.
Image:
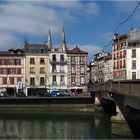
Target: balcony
{"type": "Point", "coordinates": [73, 62]}
{"type": "Point", "coordinates": [54, 83]}
{"type": "Point", "coordinates": [62, 83]}
{"type": "Point", "coordinates": [56, 71]}
{"type": "Point", "coordinates": [58, 61]}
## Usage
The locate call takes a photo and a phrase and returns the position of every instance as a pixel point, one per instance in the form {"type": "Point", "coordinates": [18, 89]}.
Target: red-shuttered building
{"type": "Point", "coordinates": [77, 69]}
{"type": "Point", "coordinates": [119, 56]}
{"type": "Point", "coordinates": [12, 70]}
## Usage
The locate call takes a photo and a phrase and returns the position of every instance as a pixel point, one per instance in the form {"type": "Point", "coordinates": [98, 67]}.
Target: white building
{"type": "Point", "coordinates": [102, 67]}
{"type": "Point", "coordinates": [133, 54]}
{"type": "Point", "coordinates": [58, 66]}
{"type": "Point", "coordinates": [108, 67]}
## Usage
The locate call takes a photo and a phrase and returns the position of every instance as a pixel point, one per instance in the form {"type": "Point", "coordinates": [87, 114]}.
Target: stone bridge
{"type": "Point", "coordinates": [126, 95]}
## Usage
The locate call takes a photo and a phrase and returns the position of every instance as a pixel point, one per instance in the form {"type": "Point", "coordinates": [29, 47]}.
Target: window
{"type": "Point", "coordinates": [133, 75]}
{"type": "Point", "coordinates": [82, 80]}
{"type": "Point", "coordinates": [54, 57]}
{"type": "Point", "coordinates": [3, 62]}
{"type": "Point", "coordinates": [61, 57]}
{"type": "Point", "coordinates": [11, 71]}
{"type": "Point", "coordinates": [4, 71]}
{"type": "Point", "coordinates": [62, 81]}
{"type": "Point", "coordinates": [32, 61]}
{"type": "Point", "coordinates": [53, 68]}
{"type": "Point", "coordinates": [32, 81]}
{"type": "Point", "coordinates": [18, 70]}
{"type": "Point", "coordinates": [82, 70]}
{"type": "Point", "coordinates": [72, 79]}
{"type": "Point", "coordinates": [42, 81]}
{"type": "Point", "coordinates": [18, 62]}
{"type": "Point", "coordinates": [134, 53]}
{"type": "Point", "coordinates": [32, 50]}
{"type": "Point", "coordinates": [42, 50]}
{"type": "Point", "coordinates": [18, 79]}
{"type": "Point", "coordinates": [54, 80]}
{"type": "Point", "coordinates": [4, 80]}
{"type": "Point", "coordinates": [42, 70]}
{"type": "Point", "coordinates": [81, 60]}
{"type": "Point", "coordinates": [61, 68]}
{"type": "Point", "coordinates": [11, 62]}
{"type": "Point", "coordinates": [73, 60]}
{"type": "Point", "coordinates": [32, 70]}
{"type": "Point", "coordinates": [73, 71]}
{"type": "Point", "coordinates": [133, 64]}
{"type": "Point", "coordinates": [42, 61]}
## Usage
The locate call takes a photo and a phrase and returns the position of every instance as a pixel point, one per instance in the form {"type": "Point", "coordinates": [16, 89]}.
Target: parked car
{"type": "Point", "coordinates": [20, 94]}
{"type": "Point", "coordinates": [44, 94]}
{"type": "Point", "coordinates": [63, 93]}
{"type": "Point", "coordinates": [3, 94]}
{"type": "Point", "coordinates": [54, 92]}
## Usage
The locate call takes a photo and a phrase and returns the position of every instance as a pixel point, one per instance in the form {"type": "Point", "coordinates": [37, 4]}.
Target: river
{"type": "Point", "coordinates": [56, 126]}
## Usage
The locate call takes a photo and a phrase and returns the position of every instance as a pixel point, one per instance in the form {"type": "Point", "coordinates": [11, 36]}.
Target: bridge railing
{"type": "Point", "coordinates": [125, 87]}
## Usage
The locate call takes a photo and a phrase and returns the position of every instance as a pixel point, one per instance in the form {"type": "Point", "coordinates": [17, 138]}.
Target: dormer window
{"type": "Point", "coordinates": [32, 50]}
{"type": "Point", "coordinates": [42, 50]}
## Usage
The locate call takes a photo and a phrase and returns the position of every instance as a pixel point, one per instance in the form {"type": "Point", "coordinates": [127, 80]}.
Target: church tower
{"type": "Point", "coordinates": [49, 40]}
{"type": "Point", "coordinates": [63, 40]}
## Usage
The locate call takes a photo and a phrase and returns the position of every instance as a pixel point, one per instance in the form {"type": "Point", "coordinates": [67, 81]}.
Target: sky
{"type": "Point", "coordinates": [88, 24]}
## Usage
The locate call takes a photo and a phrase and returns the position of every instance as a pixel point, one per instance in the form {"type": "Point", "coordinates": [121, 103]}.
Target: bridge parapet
{"type": "Point", "coordinates": [125, 87]}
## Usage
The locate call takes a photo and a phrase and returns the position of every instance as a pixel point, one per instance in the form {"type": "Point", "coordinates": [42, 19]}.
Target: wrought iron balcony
{"type": "Point", "coordinates": [58, 61]}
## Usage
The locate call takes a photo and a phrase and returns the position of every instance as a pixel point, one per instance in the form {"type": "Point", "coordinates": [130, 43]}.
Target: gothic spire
{"type": "Point", "coordinates": [63, 40]}
{"type": "Point", "coordinates": [49, 40]}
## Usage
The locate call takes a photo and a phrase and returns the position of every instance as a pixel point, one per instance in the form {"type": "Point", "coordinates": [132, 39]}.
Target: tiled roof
{"type": "Point", "coordinates": [76, 50]}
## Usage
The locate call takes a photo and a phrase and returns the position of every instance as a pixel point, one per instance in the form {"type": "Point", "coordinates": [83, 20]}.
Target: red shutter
{"type": "Point", "coordinates": [7, 70]}
{"type": "Point", "coordinates": [6, 61]}
{"type": "Point", "coordinates": [15, 61]}
{"type": "Point", "coordinates": [120, 64]}
{"type": "Point", "coordinates": [14, 70]}
{"type": "Point", "coordinates": [4, 80]}
{"type": "Point", "coordinates": [12, 80]}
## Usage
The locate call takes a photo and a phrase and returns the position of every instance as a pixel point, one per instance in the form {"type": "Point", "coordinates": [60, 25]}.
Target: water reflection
{"type": "Point", "coordinates": [55, 126]}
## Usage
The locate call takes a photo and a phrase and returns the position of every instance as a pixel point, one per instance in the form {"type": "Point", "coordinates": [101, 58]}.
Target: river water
{"type": "Point", "coordinates": [56, 126]}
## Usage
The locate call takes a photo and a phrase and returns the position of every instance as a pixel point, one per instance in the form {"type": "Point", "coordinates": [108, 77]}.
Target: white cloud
{"type": "Point", "coordinates": [35, 17]}
{"type": "Point", "coordinates": [7, 41]}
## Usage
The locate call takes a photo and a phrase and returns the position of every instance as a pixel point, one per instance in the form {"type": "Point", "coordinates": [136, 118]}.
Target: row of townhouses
{"type": "Point", "coordinates": [40, 66]}
{"type": "Point", "coordinates": [123, 64]}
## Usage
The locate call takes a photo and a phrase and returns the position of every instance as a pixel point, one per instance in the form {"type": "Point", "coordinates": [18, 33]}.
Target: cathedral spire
{"type": "Point", "coordinates": [49, 40]}
{"type": "Point", "coordinates": [63, 36]}
{"type": "Point", "coordinates": [63, 40]}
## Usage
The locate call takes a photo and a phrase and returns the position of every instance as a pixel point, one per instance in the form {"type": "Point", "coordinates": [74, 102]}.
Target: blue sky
{"type": "Point", "coordinates": [88, 24]}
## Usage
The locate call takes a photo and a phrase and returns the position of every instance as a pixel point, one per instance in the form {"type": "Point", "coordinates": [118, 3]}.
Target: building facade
{"type": "Point", "coordinates": [58, 65]}
{"type": "Point", "coordinates": [77, 69]}
{"type": "Point", "coordinates": [133, 54]}
{"type": "Point", "coordinates": [37, 68]}
{"type": "Point", "coordinates": [102, 67]}
{"type": "Point", "coordinates": [119, 47]}
{"type": "Point", "coordinates": [12, 71]}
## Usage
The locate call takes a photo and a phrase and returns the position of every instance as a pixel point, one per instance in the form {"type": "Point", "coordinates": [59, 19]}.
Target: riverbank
{"type": "Point", "coordinates": [50, 108]}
